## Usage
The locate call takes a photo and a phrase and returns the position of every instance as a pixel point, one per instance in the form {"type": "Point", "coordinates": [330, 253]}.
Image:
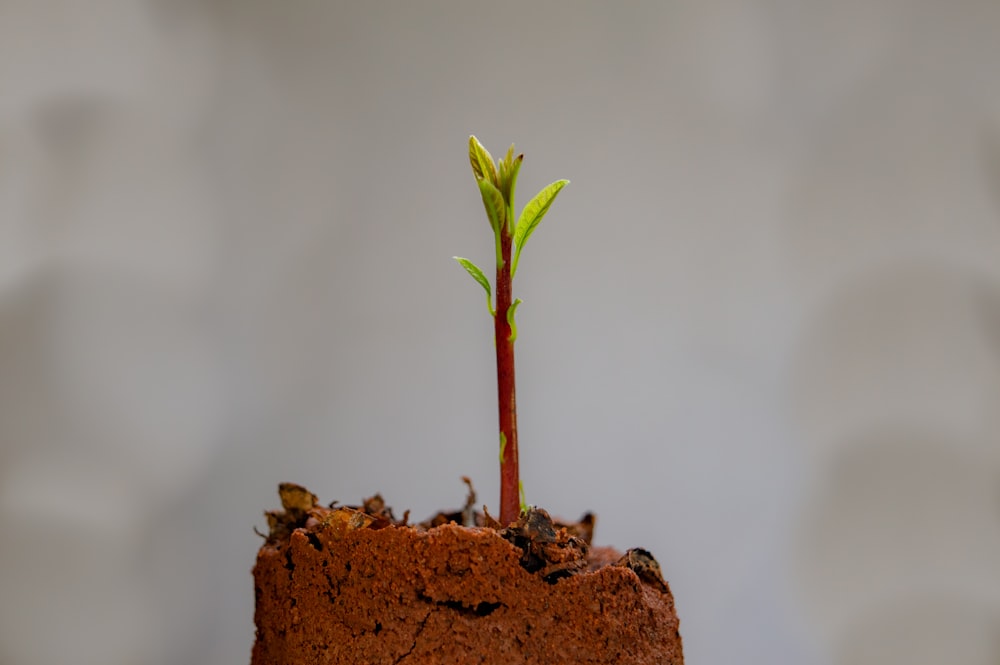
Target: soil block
{"type": "Point", "coordinates": [355, 585]}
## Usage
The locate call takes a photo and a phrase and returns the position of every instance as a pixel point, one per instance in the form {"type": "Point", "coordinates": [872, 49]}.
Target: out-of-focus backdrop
{"type": "Point", "coordinates": [760, 333]}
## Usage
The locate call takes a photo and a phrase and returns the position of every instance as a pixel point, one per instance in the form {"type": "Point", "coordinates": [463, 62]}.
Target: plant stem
{"type": "Point", "coordinates": [510, 504]}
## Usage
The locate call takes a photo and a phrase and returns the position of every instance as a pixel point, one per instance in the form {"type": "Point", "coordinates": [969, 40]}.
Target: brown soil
{"type": "Point", "coordinates": [355, 585]}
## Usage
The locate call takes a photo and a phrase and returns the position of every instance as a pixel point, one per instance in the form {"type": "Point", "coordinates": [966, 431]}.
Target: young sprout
{"type": "Point", "coordinates": [496, 182]}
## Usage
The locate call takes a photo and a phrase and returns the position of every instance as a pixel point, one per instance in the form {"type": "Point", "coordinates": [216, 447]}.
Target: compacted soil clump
{"type": "Point", "coordinates": [355, 585]}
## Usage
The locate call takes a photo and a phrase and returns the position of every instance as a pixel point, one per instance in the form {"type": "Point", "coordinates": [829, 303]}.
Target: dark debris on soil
{"type": "Point", "coordinates": [550, 548]}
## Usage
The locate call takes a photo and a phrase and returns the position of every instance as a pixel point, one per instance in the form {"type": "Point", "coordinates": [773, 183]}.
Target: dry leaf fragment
{"type": "Point", "coordinates": [343, 520]}
{"type": "Point", "coordinates": [642, 563]}
{"type": "Point", "coordinates": [469, 510]}
{"type": "Point", "coordinates": [295, 498]}
{"type": "Point", "coordinates": [584, 529]}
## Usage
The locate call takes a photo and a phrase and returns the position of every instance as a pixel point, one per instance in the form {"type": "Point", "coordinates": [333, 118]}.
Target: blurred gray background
{"type": "Point", "coordinates": [760, 333]}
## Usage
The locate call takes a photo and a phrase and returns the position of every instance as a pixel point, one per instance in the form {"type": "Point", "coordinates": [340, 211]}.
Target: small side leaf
{"type": "Point", "coordinates": [532, 215]}
{"type": "Point", "coordinates": [510, 319]}
{"type": "Point", "coordinates": [493, 202]}
{"type": "Point", "coordinates": [482, 161]}
{"type": "Point", "coordinates": [503, 446]}
{"type": "Point", "coordinates": [478, 275]}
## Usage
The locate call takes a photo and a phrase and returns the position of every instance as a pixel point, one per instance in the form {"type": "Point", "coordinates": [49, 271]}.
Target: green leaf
{"type": "Point", "coordinates": [482, 162]}
{"type": "Point", "coordinates": [511, 185]}
{"type": "Point", "coordinates": [532, 215]}
{"type": "Point", "coordinates": [510, 155]}
{"type": "Point", "coordinates": [478, 275]}
{"type": "Point", "coordinates": [502, 174]}
{"type": "Point", "coordinates": [503, 446]}
{"type": "Point", "coordinates": [505, 166]}
{"type": "Point", "coordinates": [510, 319]}
{"type": "Point", "coordinates": [493, 202]}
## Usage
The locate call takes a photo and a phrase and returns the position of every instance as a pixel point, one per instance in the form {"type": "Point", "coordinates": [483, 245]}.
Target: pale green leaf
{"type": "Point", "coordinates": [478, 275]}
{"type": "Point", "coordinates": [510, 155]}
{"type": "Point", "coordinates": [504, 167]}
{"type": "Point", "coordinates": [532, 216]}
{"type": "Point", "coordinates": [510, 184]}
{"type": "Point", "coordinates": [482, 162]}
{"type": "Point", "coordinates": [496, 210]}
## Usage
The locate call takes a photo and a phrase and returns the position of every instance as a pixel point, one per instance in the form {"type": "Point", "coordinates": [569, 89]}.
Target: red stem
{"type": "Point", "coordinates": [510, 503]}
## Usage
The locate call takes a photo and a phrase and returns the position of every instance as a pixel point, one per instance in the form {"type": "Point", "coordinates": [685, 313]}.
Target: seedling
{"type": "Point", "coordinates": [496, 182]}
